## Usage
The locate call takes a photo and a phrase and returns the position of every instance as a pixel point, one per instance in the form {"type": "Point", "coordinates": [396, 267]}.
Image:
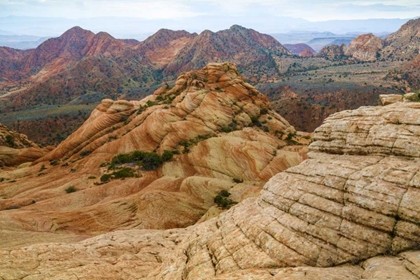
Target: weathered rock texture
{"type": "Point", "coordinates": [222, 127]}
{"type": "Point", "coordinates": [341, 214]}
{"type": "Point", "coordinates": [365, 47]}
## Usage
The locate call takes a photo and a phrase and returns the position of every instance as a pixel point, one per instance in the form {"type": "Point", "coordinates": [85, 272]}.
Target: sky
{"type": "Point", "coordinates": [144, 16]}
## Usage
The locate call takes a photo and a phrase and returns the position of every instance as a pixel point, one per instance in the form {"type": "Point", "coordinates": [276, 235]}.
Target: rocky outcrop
{"type": "Point", "coordinates": [344, 213]}
{"type": "Point", "coordinates": [333, 51]}
{"type": "Point", "coordinates": [13, 139]}
{"type": "Point", "coordinates": [365, 47]}
{"type": "Point", "coordinates": [16, 148]}
{"type": "Point", "coordinates": [220, 130]}
{"type": "Point", "coordinates": [403, 44]}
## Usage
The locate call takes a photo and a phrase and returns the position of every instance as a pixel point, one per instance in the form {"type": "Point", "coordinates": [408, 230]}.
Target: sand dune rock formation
{"type": "Point", "coordinates": [226, 136]}
{"type": "Point", "coordinates": [350, 211]}
{"type": "Point", "coordinates": [365, 47]}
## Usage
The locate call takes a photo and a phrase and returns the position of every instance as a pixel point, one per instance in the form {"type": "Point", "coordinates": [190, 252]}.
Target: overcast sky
{"type": "Point", "coordinates": [210, 14]}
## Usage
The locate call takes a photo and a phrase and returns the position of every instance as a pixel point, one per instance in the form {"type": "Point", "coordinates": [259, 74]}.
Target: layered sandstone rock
{"type": "Point", "coordinates": [222, 128]}
{"type": "Point", "coordinates": [365, 47]}
{"type": "Point", "coordinates": [350, 211]}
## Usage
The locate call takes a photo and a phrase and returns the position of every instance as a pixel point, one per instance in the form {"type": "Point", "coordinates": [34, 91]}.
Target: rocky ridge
{"type": "Point", "coordinates": [403, 44]}
{"type": "Point", "coordinates": [219, 129]}
{"type": "Point", "coordinates": [344, 213]}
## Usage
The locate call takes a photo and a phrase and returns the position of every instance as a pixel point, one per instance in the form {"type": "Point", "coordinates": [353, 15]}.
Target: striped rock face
{"type": "Point", "coordinates": [222, 134]}
{"type": "Point", "coordinates": [344, 213]}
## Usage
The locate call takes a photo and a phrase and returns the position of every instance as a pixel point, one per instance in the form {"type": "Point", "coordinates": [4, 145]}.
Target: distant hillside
{"type": "Point", "coordinates": [404, 43]}
{"type": "Point", "coordinates": [318, 43]}
{"type": "Point", "coordinates": [300, 49]}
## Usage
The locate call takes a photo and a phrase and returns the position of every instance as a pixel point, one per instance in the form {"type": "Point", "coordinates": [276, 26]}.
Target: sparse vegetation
{"type": "Point", "coordinates": [85, 153]}
{"type": "Point", "coordinates": [223, 201]}
{"type": "Point", "coordinates": [71, 189]}
{"type": "Point", "coordinates": [236, 180]}
{"type": "Point", "coordinates": [10, 140]}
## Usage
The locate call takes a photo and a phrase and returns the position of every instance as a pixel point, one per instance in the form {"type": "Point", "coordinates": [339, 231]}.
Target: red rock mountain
{"type": "Point", "coordinates": [254, 53]}
{"type": "Point", "coordinates": [79, 62]}
{"type": "Point", "coordinates": [300, 49]}
{"type": "Point", "coordinates": [365, 47]}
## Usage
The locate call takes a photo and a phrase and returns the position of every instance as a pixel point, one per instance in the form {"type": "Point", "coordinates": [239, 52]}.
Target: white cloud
{"type": "Point", "coordinates": [314, 10]}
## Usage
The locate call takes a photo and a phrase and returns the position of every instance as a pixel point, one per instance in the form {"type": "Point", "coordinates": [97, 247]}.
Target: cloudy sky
{"type": "Point", "coordinates": [193, 15]}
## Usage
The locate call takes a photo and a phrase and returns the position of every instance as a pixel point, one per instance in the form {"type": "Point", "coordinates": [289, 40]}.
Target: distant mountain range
{"type": "Point", "coordinates": [82, 68]}
{"type": "Point", "coordinates": [81, 62]}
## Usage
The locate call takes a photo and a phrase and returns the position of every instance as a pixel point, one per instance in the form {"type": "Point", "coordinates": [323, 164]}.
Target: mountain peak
{"type": "Point", "coordinates": [237, 27]}
{"type": "Point", "coordinates": [76, 30]}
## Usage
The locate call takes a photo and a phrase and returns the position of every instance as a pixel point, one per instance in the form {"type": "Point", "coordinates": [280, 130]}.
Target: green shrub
{"type": "Point", "coordinates": [167, 155]}
{"type": "Point", "coordinates": [10, 140]}
{"type": "Point", "coordinates": [255, 121]}
{"type": "Point", "coordinates": [151, 161]}
{"type": "Point", "coordinates": [223, 201]}
{"type": "Point", "coordinates": [150, 103]}
{"type": "Point", "coordinates": [85, 153]}
{"type": "Point", "coordinates": [146, 160]}
{"type": "Point", "coordinates": [105, 177]}
{"type": "Point", "coordinates": [71, 189]}
{"type": "Point", "coordinates": [236, 180]}
{"type": "Point", "coordinates": [125, 172]}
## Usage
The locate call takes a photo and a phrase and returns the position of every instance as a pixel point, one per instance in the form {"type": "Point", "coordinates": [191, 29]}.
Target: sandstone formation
{"type": "Point", "coordinates": [365, 47]}
{"type": "Point", "coordinates": [222, 133]}
{"type": "Point", "coordinates": [333, 51]}
{"type": "Point", "coordinates": [350, 211]}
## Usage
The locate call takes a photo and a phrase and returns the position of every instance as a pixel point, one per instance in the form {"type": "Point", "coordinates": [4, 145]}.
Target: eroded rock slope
{"type": "Point", "coordinates": [220, 130]}
{"type": "Point", "coordinates": [350, 211]}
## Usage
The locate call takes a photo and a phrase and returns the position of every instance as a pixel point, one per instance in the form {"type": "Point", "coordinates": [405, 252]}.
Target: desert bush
{"type": "Point", "coordinates": [236, 180]}
{"type": "Point", "coordinates": [85, 153]}
{"type": "Point", "coordinates": [71, 189]}
{"type": "Point", "coordinates": [223, 201]}
{"type": "Point", "coordinates": [10, 140]}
